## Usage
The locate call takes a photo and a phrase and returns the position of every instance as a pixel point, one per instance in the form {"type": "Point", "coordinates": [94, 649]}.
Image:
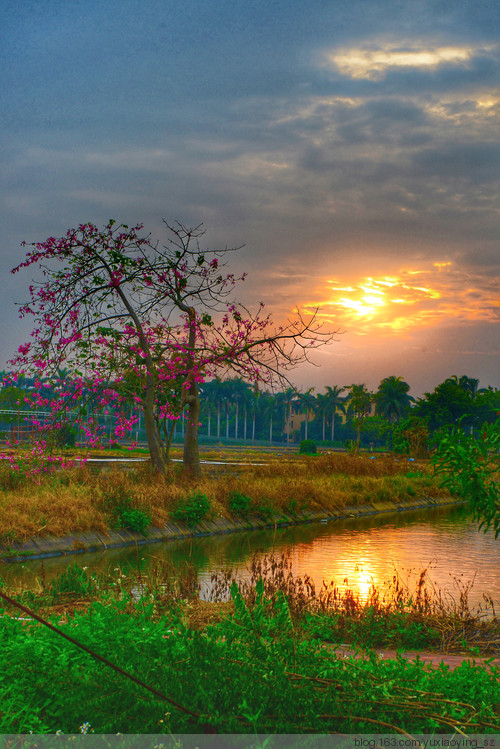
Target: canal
{"type": "Point", "coordinates": [354, 553]}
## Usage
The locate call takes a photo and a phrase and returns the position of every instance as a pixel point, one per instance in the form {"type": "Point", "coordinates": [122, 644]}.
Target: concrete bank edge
{"type": "Point", "coordinates": [79, 543]}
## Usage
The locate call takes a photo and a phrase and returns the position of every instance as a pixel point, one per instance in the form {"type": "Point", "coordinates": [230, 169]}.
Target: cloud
{"type": "Point", "coordinates": [406, 300]}
{"type": "Point", "coordinates": [374, 64]}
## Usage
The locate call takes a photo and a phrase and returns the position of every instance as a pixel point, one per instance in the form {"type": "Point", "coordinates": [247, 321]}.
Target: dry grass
{"type": "Point", "coordinates": [76, 500]}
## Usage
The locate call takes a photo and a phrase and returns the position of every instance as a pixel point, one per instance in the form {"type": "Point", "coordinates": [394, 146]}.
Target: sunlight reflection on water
{"type": "Point", "coordinates": [355, 553]}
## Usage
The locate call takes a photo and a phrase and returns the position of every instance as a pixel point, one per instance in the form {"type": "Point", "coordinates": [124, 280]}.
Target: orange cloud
{"type": "Point", "coordinates": [409, 299]}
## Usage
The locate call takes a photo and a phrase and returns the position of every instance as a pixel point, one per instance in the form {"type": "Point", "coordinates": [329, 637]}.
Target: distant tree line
{"type": "Point", "coordinates": [233, 410]}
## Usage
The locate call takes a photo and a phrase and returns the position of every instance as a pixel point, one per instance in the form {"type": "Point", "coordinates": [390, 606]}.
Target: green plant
{"type": "Point", "coordinates": [74, 579]}
{"type": "Point", "coordinates": [239, 504]}
{"type": "Point", "coordinates": [64, 436]}
{"type": "Point", "coordinates": [307, 447]}
{"type": "Point", "coordinates": [192, 509]}
{"type": "Point", "coordinates": [134, 519]}
{"type": "Point", "coordinates": [471, 467]}
{"type": "Point", "coordinates": [266, 510]}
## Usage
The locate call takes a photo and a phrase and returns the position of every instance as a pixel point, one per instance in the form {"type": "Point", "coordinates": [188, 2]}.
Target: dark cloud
{"type": "Point", "coordinates": [472, 162]}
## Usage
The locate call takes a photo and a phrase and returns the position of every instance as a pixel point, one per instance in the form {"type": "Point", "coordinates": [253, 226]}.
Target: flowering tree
{"type": "Point", "coordinates": [120, 310]}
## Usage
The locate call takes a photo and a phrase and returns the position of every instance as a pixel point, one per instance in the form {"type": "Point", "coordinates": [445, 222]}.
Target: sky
{"type": "Point", "coordinates": [351, 146]}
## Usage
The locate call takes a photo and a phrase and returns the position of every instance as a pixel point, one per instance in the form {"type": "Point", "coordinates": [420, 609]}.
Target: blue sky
{"type": "Point", "coordinates": [352, 147]}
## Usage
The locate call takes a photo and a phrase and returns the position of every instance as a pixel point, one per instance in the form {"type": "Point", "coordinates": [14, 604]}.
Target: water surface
{"type": "Point", "coordinates": [355, 553]}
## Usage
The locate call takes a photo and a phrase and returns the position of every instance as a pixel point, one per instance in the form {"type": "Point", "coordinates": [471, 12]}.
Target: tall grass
{"type": "Point", "coordinates": [75, 500]}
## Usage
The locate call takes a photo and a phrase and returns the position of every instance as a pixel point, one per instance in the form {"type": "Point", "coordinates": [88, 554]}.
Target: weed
{"type": "Point", "coordinates": [239, 504]}
{"type": "Point", "coordinates": [252, 672]}
{"type": "Point", "coordinates": [74, 579]}
{"type": "Point", "coordinates": [132, 518]}
{"type": "Point", "coordinates": [192, 509]}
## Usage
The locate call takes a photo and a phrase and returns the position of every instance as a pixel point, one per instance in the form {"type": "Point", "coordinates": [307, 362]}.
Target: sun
{"type": "Point", "coordinates": [365, 300]}
{"type": "Point", "coordinates": [393, 303]}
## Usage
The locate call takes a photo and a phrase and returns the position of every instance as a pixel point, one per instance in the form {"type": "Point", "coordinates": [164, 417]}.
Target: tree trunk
{"type": "Point", "coordinates": [236, 422]}
{"type": "Point", "coordinates": [333, 425]}
{"type": "Point", "coordinates": [324, 426]}
{"type": "Point", "coordinates": [154, 443]}
{"type": "Point", "coordinates": [208, 435]}
{"type": "Point", "coordinates": [191, 456]}
{"type": "Point", "coordinates": [271, 429]}
{"type": "Point", "coordinates": [218, 421]}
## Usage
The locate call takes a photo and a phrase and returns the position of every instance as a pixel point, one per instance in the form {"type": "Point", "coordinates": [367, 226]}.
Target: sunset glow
{"type": "Point", "coordinates": [413, 297]}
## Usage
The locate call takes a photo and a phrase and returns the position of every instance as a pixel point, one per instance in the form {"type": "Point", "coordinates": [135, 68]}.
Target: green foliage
{"type": "Point", "coordinates": [192, 509]}
{"type": "Point", "coordinates": [392, 399]}
{"type": "Point", "coordinates": [239, 504]}
{"type": "Point", "coordinates": [373, 628]}
{"type": "Point", "coordinates": [266, 509]}
{"type": "Point", "coordinates": [411, 437]}
{"type": "Point", "coordinates": [377, 430]}
{"type": "Point", "coordinates": [133, 518]}
{"type": "Point", "coordinates": [471, 468]}
{"type": "Point", "coordinates": [252, 673]}
{"type": "Point", "coordinates": [449, 402]}
{"type": "Point", "coordinates": [74, 579]}
{"type": "Point", "coordinates": [307, 447]}
{"type": "Point", "coordinates": [64, 436]}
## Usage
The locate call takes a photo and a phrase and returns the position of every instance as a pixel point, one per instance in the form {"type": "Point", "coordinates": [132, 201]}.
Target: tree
{"type": "Point", "coordinates": [448, 404]}
{"type": "Point", "coordinates": [308, 403]}
{"type": "Point", "coordinates": [392, 400]}
{"type": "Point", "coordinates": [113, 301]}
{"type": "Point", "coordinates": [471, 465]}
{"type": "Point", "coordinates": [359, 402]}
{"type": "Point", "coordinates": [329, 404]}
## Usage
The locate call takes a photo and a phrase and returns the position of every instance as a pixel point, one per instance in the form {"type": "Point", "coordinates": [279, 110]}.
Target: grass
{"type": "Point", "coordinates": [77, 500]}
{"type": "Point", "coordinates": [258, 662]}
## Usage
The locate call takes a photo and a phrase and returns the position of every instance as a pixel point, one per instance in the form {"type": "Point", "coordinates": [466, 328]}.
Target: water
{"type": "Point", "coordinates": [354, 553]}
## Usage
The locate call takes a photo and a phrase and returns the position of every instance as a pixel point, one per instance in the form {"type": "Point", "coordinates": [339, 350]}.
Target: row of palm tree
{"type": "Point", "coordinates": [234, 409]}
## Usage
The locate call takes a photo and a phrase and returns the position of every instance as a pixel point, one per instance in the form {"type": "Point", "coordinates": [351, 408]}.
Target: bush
{"type": "Point", "coordinates": [307, 447]}
{"type": "Point", "coordinates": [239, 504]}
{"type": "Point", "coordinates": [132, 518]}
{"type": "Point", "coordinates": [192, 510]}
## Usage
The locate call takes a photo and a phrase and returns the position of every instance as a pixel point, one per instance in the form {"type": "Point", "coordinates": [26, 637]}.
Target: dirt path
{"type": "Point", "coordinates": [432, 659]}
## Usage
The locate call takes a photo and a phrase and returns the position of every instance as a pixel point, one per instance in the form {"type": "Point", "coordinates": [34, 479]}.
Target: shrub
{"type": "Point", "coordinates": [192, 509]}
{"type": "Point", "coordinates": [239, 504]}
{"type": "Point", "coordinates": [131, 518]}
{"type": "Point", "coordinates": [307, 447]}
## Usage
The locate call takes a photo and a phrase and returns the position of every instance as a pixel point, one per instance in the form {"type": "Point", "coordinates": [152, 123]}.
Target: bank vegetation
{"type": "Point", "coordinates": [77, 499]}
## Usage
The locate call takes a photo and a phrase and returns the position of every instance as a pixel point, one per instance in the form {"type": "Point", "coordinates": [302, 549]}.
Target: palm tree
{"type": "Point", "coordinates": [359, 406]}
{"type": "Point", "coordinates": [267, 406]}
{"type": "Point", "coordinates": [335, 403]}
{"type": "Point", "coordinates": [392, 399]}
{"type": "Point", "coordinates": [308, 402]}
{"type": "Point", "coordinates": [470, 385]}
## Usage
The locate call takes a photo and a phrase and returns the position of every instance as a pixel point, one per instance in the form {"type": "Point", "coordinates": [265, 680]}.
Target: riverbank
{"type": "Point", "coordinates": [273, 659]}
{"type": "Point", "coordinates": [78, 543]}
{"type": "Point", "coordinates": [75, 509]}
